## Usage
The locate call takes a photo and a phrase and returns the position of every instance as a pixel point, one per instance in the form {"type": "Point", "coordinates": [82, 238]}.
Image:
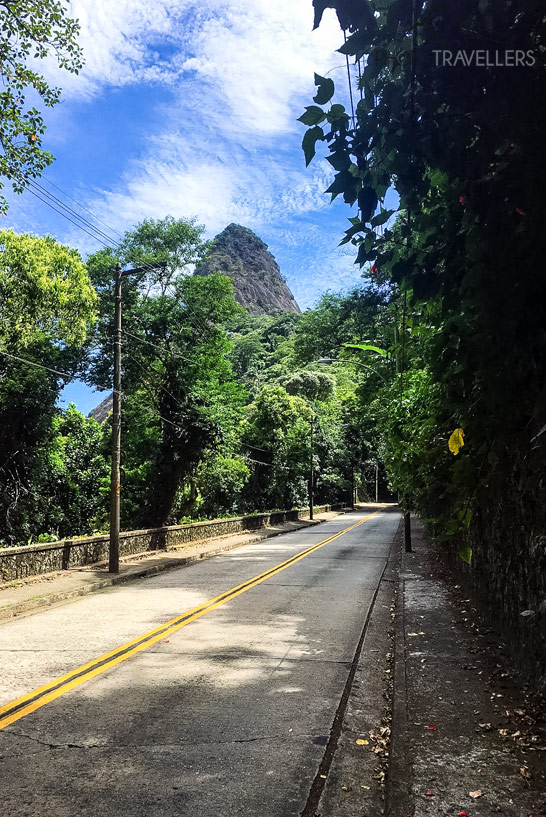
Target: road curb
{"type": "Point", "coordinates": [349, 782]}
{"type": "Point", "coordinates": [31, 606]}
{"type": "Point", "coordinates": [398, 781]}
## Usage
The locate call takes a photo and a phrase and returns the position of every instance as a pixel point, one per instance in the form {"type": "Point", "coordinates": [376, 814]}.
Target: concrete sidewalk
{"type": "Point", "coordinates": [466, 738]}
{"type": "Point", "coordinates": [25, 596]}
{"type": "Point", "coordinates": [437, 721]}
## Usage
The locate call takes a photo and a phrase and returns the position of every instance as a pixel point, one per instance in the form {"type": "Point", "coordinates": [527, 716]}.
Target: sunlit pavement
{"type": "Point", "coordinates": [227, 715]}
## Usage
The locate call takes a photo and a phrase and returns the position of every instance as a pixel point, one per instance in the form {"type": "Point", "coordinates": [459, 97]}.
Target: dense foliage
{"type": "Point", "coordinates": [222, 412]}
{"type": "Point", "coordinates": [46, 306]}
{"type": "Point", "coordinates": [461, 142]}
{"type": "Point", "coordinates": [30, 31]}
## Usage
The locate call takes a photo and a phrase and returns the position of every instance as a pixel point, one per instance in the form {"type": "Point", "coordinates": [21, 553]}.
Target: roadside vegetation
{"type": "Point", "coordinates": [223, 412]}
{"type": "Point", "coordinates": [444, 344]}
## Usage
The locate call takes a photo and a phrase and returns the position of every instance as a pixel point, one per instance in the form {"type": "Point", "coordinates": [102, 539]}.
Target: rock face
{"type": "Point", "coordinates": [101, 412]}
{"type": "Point", "coordinates": [259, 286]}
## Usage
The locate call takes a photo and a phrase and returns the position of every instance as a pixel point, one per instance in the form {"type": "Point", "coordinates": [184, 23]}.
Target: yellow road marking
{"type": "Point", "coordinates": [15, 710]}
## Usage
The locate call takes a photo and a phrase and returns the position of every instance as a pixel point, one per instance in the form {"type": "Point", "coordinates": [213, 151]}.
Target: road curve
{"type": "Point", "coordinates": [208, 690]}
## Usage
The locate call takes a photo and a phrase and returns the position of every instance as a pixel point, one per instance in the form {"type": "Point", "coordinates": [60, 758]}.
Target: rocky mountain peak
{"type": "Point", "coordinates": [259, 285]}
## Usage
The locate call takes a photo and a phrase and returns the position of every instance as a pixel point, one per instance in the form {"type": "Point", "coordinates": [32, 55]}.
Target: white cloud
{"type": "Point", "coordinates": [256, 54]}
{"type": "Point", "coordinates": [238, 74]}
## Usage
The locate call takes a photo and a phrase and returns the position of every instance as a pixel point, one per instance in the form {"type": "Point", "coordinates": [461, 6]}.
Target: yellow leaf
{"type": "Point", "coordinates": [365, 787]}
{"type": "Point", "coordinates": [456, 441]}
{"type": "Point", "coordinates": [362, 742]}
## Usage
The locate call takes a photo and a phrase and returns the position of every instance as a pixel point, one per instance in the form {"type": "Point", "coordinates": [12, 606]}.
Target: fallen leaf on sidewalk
{"type": "Point", "coordinates": [463, 814]}
{"type": "Point", "coordinates": [525, 773]}
{"type": "Point", "coordinates": [476, 794]}
{"type": "Point", "coordinates": [323, 776]}
{"type": "Point", "coordinates": [485, 726]}
{"type": "Point", "coordinates": [362, 742]}
{"type": "Point", "coordinates": [429, 794]}
{"type": "Point", "coordinates": [412, 634]}
{"type": "Point", "coordinates": [365, 787]}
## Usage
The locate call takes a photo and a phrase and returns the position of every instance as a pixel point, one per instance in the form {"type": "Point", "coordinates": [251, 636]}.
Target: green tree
{"type": "Point", "coordinates": [46, 306]}
{"type": "Point", "coordinates": [72, 482]}
{"type": "Point", "coordinates": [277, 436]}
{"type": "Point", "coordinates": [45, 292]}
{"type": "Point", "coordinates": [219, 481]}
{"type": "Point", "coordinates": [29, 32]}
{"type": "Point", "coordinates": [181, 400]}
{"type": "Point", "coordinates": [460, 145]}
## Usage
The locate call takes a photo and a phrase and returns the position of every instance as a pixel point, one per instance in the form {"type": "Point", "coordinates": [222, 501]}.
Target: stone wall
{"type": "Point", "coordinates": [31, 560]}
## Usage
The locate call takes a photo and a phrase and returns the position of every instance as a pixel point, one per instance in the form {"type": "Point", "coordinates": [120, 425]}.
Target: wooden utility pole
{"type": "Point", "coordinates": [115, 482]}
{"type": "Point", "coordinates": [113, 562]}
{"type": "Point", "coordinates": [311, 472]}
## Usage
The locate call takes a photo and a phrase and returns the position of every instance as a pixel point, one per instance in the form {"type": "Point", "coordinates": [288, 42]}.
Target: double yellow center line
{"type": "Point", "coordinates": [59, 686]}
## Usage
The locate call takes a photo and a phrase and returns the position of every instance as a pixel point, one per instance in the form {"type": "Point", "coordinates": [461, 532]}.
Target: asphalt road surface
{"type": "Point", "coordinates": [208, 690]}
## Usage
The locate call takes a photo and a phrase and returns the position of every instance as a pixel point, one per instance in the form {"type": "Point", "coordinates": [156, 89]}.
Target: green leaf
{"type": "Point", "coordinates": [466, 554]}
{"type": "Point", "coordinates": [312, 116]}
{"type": "Point", "coordinates": [366, 347]}
{"type": "Point", "coordinates": [309, 142]}
{"type": "Point", "coordinates": [325, 90]}
{"type": "Point", "coordinates": [343, 183]}
{"type": "Point", "coordinates": [337, 112]}
{"type": "Point", "coordinates": [381, 218]}
{"type": "Point", "coordinates": [340, 160]}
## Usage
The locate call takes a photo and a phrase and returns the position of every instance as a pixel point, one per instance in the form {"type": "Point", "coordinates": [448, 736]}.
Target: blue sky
{"type": "Point", "coordinates": [190, 109]}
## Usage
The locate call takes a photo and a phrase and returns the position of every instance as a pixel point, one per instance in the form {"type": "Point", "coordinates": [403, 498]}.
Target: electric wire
{"type": "Point", "coordinates": [33, 192]}
{"type": "Point", "coordinates": [69, 377]}
{"type": "Point", "coordinates": [73, 213]}
{"type": "Point", "coordinates": [156, 346]}
{"type": "Point", "coordinates": [48, 181]}
{"type": "Point", "coordinates": [37, 365]}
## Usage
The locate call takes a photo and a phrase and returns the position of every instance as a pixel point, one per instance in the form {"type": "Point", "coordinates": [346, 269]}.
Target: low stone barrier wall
{"type": "Point", "coordinates": [31, 560]}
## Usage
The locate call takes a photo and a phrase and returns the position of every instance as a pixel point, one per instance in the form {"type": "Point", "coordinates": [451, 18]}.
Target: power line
{"type": "Point", "coordinates": [155, 346]}
{"type": "Point", "coordinates": [48, 181]}
{"type": "Point", "coordinates": [33, 192]}
{"type": "Point", "coordinates": [37, 365]}
{"type": "Point", "coordinates": [255, 448]}
{"type": "Point", "coordinates": [69, 377]}
{"type": "Point", "coordinates": [51, 196]}
{"type": "Point", "coordinates": [350, 83]}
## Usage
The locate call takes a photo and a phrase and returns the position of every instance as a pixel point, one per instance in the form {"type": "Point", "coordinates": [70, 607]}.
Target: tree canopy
{"type": "Point", "coordinates": [30, 31]}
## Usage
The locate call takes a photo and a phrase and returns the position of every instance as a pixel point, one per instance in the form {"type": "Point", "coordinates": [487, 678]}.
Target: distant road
{"type": "Point", "coordinates": [207, 691]}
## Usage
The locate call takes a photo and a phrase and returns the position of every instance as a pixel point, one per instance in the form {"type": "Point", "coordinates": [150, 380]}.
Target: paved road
{"type": "Point", "coordinates": [225, 713]}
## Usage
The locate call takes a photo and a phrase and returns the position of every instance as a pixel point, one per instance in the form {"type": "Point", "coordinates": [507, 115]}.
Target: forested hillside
{"type": "Point", "coordinates": [223, 412]}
